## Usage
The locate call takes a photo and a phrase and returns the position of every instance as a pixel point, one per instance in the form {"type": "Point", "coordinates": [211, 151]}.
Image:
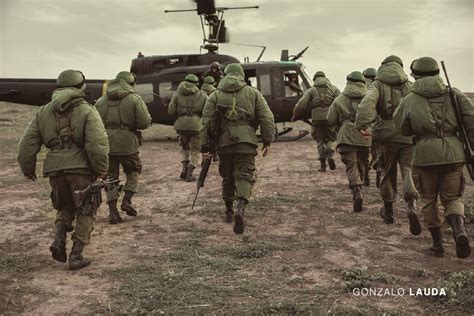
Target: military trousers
{"type": "Point", "coordinates": [325, 136]}
{"type": "Point", "coordinates": [354, 158]}
{"type": "Point", "coordinates": [447, 181]}
{"type": "Point", "coordinates": [62, 189]}
{"type": "Point", "coordinates": [238, 174]}
{"type": "Point", "coordinates": [132, 167]}
{"type": "Point", "coordinates": [190, 148]}
{"type": "Point", "coordinates": [392, 154]}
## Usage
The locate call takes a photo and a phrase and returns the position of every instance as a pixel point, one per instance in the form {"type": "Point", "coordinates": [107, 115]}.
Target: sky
{"type": "Point", "coordinates": [39, 39]}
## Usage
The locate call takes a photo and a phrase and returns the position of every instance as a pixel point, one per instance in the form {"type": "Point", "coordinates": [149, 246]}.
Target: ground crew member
{"type": "Point", "coordinates": [316, 100]}
{"type": "Point", "coordinates": [438, 159]}
{"type": "Point", "coordinates": [208, 85]}
{"type": "Point", "coordinates": [124, 114]}
{"type": "Point", "coordinates": [236, 110]}
{"type": "Point", "coordinates": [379, 104]}
{"type": "Point", "coordinates": [74, 134]}
{"type": "Point", "coordinates": [187, 103]}
{"type": "Point", "coordinates": [214, 71]}
{"type": "Point", "coordinates": [352, 146]}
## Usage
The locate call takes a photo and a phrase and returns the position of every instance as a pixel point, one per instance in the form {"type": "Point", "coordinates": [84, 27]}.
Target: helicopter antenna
{"type": "Point", "coordinates": [252, 45]}
{"type": "Point", "coordinates": [213, 18]}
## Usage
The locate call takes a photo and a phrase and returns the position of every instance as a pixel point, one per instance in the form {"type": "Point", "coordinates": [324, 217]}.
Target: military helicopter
{"type": "Point", "coordinates": [158, 76]}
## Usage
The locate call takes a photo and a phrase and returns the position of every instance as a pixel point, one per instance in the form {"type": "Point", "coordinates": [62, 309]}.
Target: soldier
{"type": "Point", "coordinates": [74, 134]}
{"type": "Point", "coordinates": [124, 114]}
{"type": "Point", "coordinates": [382, 98]}
{"type": "Point", "coordinates": [214, 71]}
{"type": "Point", "coordinates": [369, 75]}
{"type": "Point", "coordinates": [236, 110]}
{"type": "Point", "coordinates": [352, 146]}
{"type": "Point", "coordinates": [317, 100]}
{"type": "Point", "coordinates": [438, 159]}
{"type": "Point", "coordinates": [294, 85]}
{"type": "Point", "coordinates": [187, 103]}
{"type": "Point", "coordinates": [208, 85]}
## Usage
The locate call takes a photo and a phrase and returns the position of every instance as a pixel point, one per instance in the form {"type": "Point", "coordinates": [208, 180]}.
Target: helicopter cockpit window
{"type": "Point", "coordinates": [167, 89]}
{"type": "Point", "coordinates": [292, 83]}
{"type": "Point", "coordinates": [145, 90]}
{"type": "Point", "coordinates": [265, 84]}
{"type": "Point", "coordinates": [176, 60]}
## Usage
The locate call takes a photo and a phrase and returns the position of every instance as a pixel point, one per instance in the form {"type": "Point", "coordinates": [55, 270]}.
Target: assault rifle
{"type": "Point", "coordinates": [90, 198]}
{"type": "Point", "coordinates": [463, 136]}
{"type": "Point", "coordinates": [214, 137]}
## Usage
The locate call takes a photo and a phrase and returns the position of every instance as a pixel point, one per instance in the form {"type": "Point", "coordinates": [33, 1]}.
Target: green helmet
{"type": "Point", "coordinates": [129, 77]}
{"type": "Point", "coordinates": [370, 73]}
{"type": "Point", "coordinates": [319, 74]}
{"type": "Point", "coordinates": [209, 79]}
{"type": "Point", "coordinates": [424, 67]}
{"type": "Point", "coordinates": [356, 76]}
{"type": "Point", "coordinates": [192, 78]}
{"type": "Point", "coordinates": [235, 69]}
{"type": "Point", "coordinates": [70, 78]}
{"type": "Point", "coordinates": [394, 59]}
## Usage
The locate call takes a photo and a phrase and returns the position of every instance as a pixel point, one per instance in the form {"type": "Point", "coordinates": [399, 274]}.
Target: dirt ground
{"type": "Point", "coordinates": [303, 250]}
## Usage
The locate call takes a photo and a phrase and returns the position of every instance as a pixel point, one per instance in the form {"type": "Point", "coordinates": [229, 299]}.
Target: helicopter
{"type": "Point", "coordinates": [158, 76]}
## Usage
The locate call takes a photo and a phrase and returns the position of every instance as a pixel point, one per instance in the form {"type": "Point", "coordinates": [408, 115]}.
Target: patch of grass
{"type": "Point", "coordinates": [459, 288]}
{"type": "Point", "coordinates": [15, 263]}
{"type": "Point", "coordinates": [359, 277]}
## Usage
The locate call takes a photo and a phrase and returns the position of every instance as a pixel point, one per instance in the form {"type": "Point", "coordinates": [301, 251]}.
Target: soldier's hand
{"type": "Point", "coordinates": [293, 118]}
{"type": "Point", "coordinates": [102, 176]}
{"type": "Point", "coordinates": [365, 133]}
{"type": "Point", "coordinates": [31, 176]}
{"type": "Point", "coordinates": [266, 150]}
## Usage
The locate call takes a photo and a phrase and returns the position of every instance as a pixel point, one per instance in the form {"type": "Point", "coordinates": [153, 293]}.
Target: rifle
{"type": "Point", "coordinates": [90, 198]}
{"type": "Point", "coordinates": [212, 151]}
{"type": "Point", "coordinates": [463, 136]}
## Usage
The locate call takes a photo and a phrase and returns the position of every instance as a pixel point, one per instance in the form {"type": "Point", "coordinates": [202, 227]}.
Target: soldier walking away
{"type": "Point", "coordinates": [124, 114]}
{"type": "Point", "coordinates": [235, 111]}
{"type": "Point", "coordinates": [75, 136]}
{"type": "Point", "coordinates": [438, 159]}
{"type": "Point", "coordinates": [351, 145]}
{"type": "Point", "coordinates": [187, 103]}
{"type": "Point", "coordinates": [214, 71]}
{"type": "Point", "coordinates": [369, 75]}
{"type": "Point", "coordinates": [208, 85]}
{"type": "Point", "coordinates": [383, 96]}
{"type": "Point", "coordinates": [316, 101]}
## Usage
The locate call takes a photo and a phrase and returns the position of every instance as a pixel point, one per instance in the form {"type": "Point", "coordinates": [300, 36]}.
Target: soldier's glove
{"type": "Point", "coordinates": [266, 150]}
{"type": "Point", "coordinates": [365, 133]}
{"type": "Point", "coordinates": [31, 176]}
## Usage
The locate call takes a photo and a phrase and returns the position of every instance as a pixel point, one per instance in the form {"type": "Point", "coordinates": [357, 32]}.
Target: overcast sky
{"type": "Point", "coordinates": [39, 39]}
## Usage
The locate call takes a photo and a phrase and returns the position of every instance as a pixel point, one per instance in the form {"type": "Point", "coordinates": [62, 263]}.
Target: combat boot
{"type": "Point", "coordinates": [239, 216]}
{"type": "Point", "coordinates": [76, 260]}
{"type": "Point", "coordinates": [229, 210]}
{"type": "Point", "coordinates": [58, 247]}
{"type": "Point", "coordinates": [437, 237]}
{"type": "Point", "coordinates": [114, 216]}
{"type": "Point", "coordinates": [331, 162]}
{"type": "Point", "coordinates": [323, 165]}
{"type": "Point", "coordinates": [189, 173]}
{"type": "Point", "coordinates": [415, 226]}
{"type": "Point", "coordinates": [357, 198]}
{"type": "Point", "coordinates": [127, 206]}
{"type": "Point", "coordinates": [386, 211]}
{"type": "Point", "coordinates": [184, 170]}
{"type": "Point", "coordinates": [456, 221]}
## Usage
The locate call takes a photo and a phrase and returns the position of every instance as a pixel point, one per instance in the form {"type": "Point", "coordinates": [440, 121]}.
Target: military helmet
{"type": "Point", "coordinates": [356, 76]}
{"type": "Point", "coordinates": [192, 78]}
{"type": "Point", "coordinates": [234, 68]}
{"type": "Point", "coordinates": [215, 65]}
{"type": "Point", "coordinates": [129, 77]}
{"type": "Point", "coordinates": [424, 67]}
{"type": "Point", "coordinates": [394, 59]}
{"type": "Point", "coordinates": [209, 79]}
{"type": "Point", "coordinates": [370, 73]}
{"type": "Point", "coordinates": [71, 78]}
{"type": "Point", "coordinates": [319, 74]}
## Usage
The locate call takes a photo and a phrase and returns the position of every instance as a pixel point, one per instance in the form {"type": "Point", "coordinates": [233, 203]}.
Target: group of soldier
{"type": "Point", "coordinates": [91, 142]}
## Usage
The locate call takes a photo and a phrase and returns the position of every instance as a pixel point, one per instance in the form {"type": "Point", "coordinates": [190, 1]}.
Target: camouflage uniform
{"type": "Point", "coordinates": [74, 134]}
{"type": "Point", "coordinates": [438, 159]}
{"type": "Point", "coordinates": [370, 74]}
{"type": "Point", "coordinates": [187, 103]}
{"type": "Point", "coordinates": [316, 101]}
{"type": "Point", "coordinates": [124, 113]}
{"type": "Point", "coordinates": [351, 145]}
{"type": "Point", "coordinates": [240, 109]}
{"type": "Point", "coordinates": [383, 97]}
